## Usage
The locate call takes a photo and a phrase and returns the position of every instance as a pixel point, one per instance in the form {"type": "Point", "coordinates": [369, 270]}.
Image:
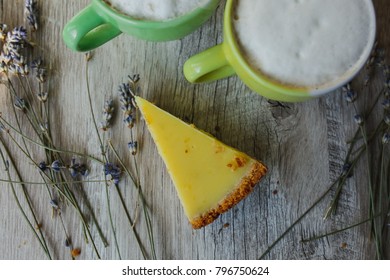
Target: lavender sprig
{"type": "Point", "coordinates": [40, 237]}
{"type": "Point", "coordinates": [108, 111]}
{"type": "Point", "coordinates": [356, 149]}
{"type": "Point", "coordinates": [127, 92]}
{"type": "Point", "coordinates": [39, 69]}
{"type": "Point", "coordinates": [112, 172]}
{"type": "Point", "coordinates": [14, 66]}
{"type": "Point", "coordinates": [12, 59]}
{"type": "Point", "coordinates": [32, 13]}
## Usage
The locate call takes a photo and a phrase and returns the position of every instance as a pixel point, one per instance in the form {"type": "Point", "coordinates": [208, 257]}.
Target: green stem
{"type": "Point", "coordinates": [40, 238]}
{"type": "Point", "coordinates": [49, 183]}
{"type": "Point", "coordinates": [144, 204]}
{"type": "Point", "coordinates": [341, 230]}
{"type": "Point", "coordinates": [68, 194]}
{"type": "Point", "coordinates": [30, 98]}
{"type": "Point", "coordinates": [307, 211]}
{"type": "Point", "coordinates": [351, 152]}
{"type": "Point", "coordinates": [3, 121]}
{"type": "Point", "coordinates": [105, 161]}
{"type": "Point", "coordinates": [146, 213]}
{"type": "Point", "coordinates": [270, 247]}
{"type": "Point", "coordinates": [371, 194]}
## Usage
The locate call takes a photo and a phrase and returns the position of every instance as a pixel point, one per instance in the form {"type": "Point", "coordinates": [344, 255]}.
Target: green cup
{"type": "Point", "coordinates": [98, 23]}
{"type": "Point", "coordinates": [227, 59]}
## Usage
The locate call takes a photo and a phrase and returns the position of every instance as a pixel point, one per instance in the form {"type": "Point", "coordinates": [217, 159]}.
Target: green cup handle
{"type": "Point", "coordinates": [207, 66]}
{"type": "Point", "coordinates": [87, 31]}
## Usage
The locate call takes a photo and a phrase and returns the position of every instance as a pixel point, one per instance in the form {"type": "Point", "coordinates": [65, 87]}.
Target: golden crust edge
{"type": "Point", "coordinates": [245, 187]}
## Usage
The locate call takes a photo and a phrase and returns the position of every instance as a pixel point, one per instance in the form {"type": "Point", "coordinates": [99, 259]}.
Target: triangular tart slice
{"type": "Point", "coordinates": [210, 177]}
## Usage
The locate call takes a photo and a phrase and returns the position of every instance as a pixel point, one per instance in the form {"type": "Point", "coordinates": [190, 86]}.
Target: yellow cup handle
{"type": "Point", "coordinates": [207, 66]}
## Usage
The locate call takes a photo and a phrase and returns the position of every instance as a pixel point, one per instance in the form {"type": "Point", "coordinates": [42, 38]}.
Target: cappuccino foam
{"type": "Point", "coordinates": [304, 43]}
{"type": "Point", "coordinates": [156, 9]}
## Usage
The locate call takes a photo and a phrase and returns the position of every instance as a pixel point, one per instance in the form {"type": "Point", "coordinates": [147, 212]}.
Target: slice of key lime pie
{"type": "Point", "coordinates": [210, 177]}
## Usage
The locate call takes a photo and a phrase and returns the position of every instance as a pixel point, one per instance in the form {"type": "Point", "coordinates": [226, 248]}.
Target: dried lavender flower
{"type": "Point", "coordinates": [129, 121]}
{"type": "Point", "coordinates": [386, 119]}
{"type": "Point", "coordinates": [42, 96]}
{"type": "Point", "coordinates": [36, 63]}
{"type": "Point", "coordinates": [108, 111]}
{"type": "Point", "coordinates": [346, 170]}
{"type": "Point", "coordinates": [56, 166]}
{"type": "Point", "coordinates": [104, 125]}
{"type": "Point", "coordinates": [358, 119]}
{"type": "Point", "coordinates": [15, 40]}
{"type": "Point", "coordinates": [127, 92]}
{"type": "Point", "coordinates": [54, 204]}
{"type": "Point", "coordinates": [133, 147]}
{"type": "Point", "coordinates": [3, 31]}
{"type": "Point", "coordinates": [387, 84]}
{"type": "Point", "coordinates": [6, 58]}
{"type": "Point", "coordinates": [67, 242]}
{"type": "Point", "coordinates": [386, 138]}
{"type": "Point", "coordinates": [11, 57]}
{"type": "Point", "coordinates": [42, 166]}
{"type": "Point", "coordinates": [20, 104]}
{"type": "Point", "coordinates": [366, 80]}
{"type": "Point", "coordinates": [39, 70]}
{"type": "Point", "coordinates": [134, 79]}
{"type": "Point", "coordinates": [350, 95]}
{"type": "Point", "coordinates": [88, 56]}
{"type": "Point", "coordinates": [126, 95]}
{"type": "Point", "coordinates": [113, 172]}
{"type": "Point", "coordinates": [3, 66]}
{"type": "Point", "coordinates": [32, 13]}
{"type": "Point", "coordinates": [76, 169]}
{"type": "Point", "coordinates": [17, 69]}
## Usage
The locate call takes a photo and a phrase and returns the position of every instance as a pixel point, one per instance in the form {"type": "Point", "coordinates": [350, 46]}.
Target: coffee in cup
{"type": "Point", "coordinates": [304, 43]}
{"type": "Point", "coordinates": [156, 10]}
{"type": "Point", "coordinates": [289, 50]}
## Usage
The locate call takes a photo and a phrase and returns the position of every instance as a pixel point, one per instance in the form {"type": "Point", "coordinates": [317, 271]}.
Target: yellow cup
{"type": "Point", "coordinates": [226, 59]}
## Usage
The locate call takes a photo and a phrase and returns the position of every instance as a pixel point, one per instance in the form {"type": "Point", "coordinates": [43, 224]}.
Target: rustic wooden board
{"type": "Point", "coordinates": [302, 144]}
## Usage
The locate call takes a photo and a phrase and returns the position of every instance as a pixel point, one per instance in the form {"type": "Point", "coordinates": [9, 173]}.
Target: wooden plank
{"type": "Point", "coordinates": [303, 144]}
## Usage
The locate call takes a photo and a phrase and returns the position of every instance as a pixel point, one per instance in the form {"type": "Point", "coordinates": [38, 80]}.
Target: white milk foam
{"type": "Point", "coordinates": [305, 43]}
{"type": "Point", "coordinates": [156, 9]}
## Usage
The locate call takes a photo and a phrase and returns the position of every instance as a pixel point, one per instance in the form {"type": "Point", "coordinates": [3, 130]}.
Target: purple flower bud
{"type": "Point", "coordinates": [112, 172]}
{"type": "Point", "coordinates": [56, 166]}
{"type": "Point", "coordinates": [358, 119]}
{"type": "Point", "coordinates": [133, 147]}
{"type": "Point", "coordinates": [42, 166]}
{"type": "Point", "coordinates": [386, 119]}
{"type": "Point", "coordinates": [386, 138]}
{"type": "Point", "coordinates": [54, 204]}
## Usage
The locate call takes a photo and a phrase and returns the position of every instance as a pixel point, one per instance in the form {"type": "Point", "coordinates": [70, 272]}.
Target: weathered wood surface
{"type": "Point", "coordinates": [302, 144]}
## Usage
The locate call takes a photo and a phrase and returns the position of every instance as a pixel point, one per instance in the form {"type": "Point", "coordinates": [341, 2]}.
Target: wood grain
{"type": "Point", "coordinates": [304, 146]}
